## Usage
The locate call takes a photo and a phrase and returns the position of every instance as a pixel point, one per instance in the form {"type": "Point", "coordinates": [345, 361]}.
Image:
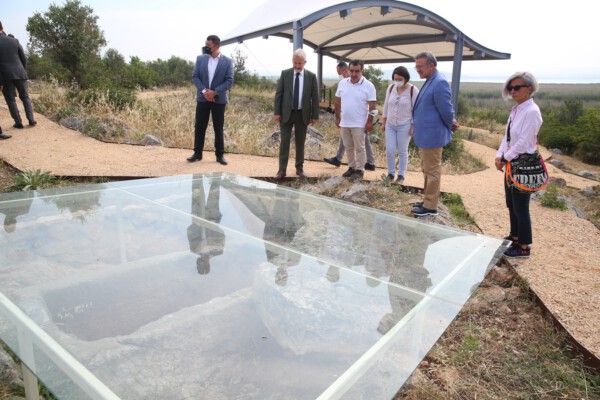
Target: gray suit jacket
{"type": "Point", "coordinates": [222, 80]}
{"type": "Point", "coordinates": [13, 62]}
{"type": "Point", "coordinates": [285, 92]}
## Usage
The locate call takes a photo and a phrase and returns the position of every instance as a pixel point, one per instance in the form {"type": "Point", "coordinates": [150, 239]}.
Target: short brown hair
{"type": "Point", "coordinates": [402, 71]}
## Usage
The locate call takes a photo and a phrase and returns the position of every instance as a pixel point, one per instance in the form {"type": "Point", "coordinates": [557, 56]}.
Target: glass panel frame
{"type": "Point", "coordinates": [226, 286]}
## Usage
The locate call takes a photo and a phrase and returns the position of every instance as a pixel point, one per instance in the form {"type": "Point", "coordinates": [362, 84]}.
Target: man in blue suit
{"type": "Point", "coordinates": [213, 77]}
{"type": "Point", "coordinates": [434, 124]}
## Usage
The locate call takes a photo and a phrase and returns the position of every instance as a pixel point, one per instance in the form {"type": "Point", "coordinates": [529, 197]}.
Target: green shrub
{"type": "Point", "coordinates": [116, 98]}
{"type": "Point", "coordinates": [454, 150]}
{"type": "Point", "coordinates": [93, 128]}
{"type": "Point", "coordinates": [551, 199]}
{"type": "Point", "coordinates": [68, 110]}
{"type": "Point", "coordinates": [31, 180]}
{"type": "Point", "coordinates": [557, 138]}
{"type": "Point", "coordinates": [588, 151]}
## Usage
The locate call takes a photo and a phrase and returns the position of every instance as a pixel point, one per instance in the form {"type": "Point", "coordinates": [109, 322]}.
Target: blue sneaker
{"type": "Point", "coordinates": [422, 211]}
{"type": "Point", "coordinates": [517, 252]}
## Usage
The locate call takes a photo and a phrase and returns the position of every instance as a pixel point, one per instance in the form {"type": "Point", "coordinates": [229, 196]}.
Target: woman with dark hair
{"type": "Point", "coordinates": [520, 137]}
{"type": "Point", "coordinates": [397, 122]}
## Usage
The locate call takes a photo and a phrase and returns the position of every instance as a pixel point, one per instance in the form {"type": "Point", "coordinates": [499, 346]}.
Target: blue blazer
{"type": "Point", "coordinates": [222, 80]}
{"type": "Point", "coordinates": [433, 113]}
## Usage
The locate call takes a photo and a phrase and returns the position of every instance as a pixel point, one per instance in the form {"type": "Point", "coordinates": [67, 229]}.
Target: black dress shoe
{"type": "Point", "coordinates": [18, 126]}
{"type": "Point", "coordinates": [333, 161]}
{"type": "Point", "coordinates": [221, 160]}
{"type": "Point", "coordinates": [3, 136]}
{"type": "Point", "coordinates": [280, 175]}
{"type": "Point", "coordinates": [32, 123]}
{"type": "Point", "coordinates": [370, 167]}
{"type": "Point", "coordinates": [194, 157]}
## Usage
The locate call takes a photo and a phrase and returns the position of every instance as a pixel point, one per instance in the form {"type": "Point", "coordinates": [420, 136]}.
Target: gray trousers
{"type": "Point", "coordinates": [368, 149]}
{"type": "Point", "coordinates": [10, 87]}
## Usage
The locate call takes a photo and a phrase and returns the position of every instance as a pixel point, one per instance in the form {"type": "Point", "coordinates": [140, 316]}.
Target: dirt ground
{"type": "Point", "coordinates": [563, 270]}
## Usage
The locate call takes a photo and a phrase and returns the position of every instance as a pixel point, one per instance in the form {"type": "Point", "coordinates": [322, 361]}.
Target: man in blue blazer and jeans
{"type": "Point", "coordinates": [213, 77]}
{"type": "Point", "coordinates": [434, 124]}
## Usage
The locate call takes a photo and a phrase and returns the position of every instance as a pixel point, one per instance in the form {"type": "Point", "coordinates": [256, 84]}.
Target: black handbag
{"type": "Point", "coordinates": [526, 173]}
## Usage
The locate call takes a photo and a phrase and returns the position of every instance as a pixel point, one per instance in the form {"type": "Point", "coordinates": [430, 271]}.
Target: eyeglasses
{"type": "Point", "coordinates": [510, 88]}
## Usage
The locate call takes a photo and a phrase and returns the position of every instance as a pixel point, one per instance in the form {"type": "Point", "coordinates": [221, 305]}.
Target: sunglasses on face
{"type": "Point", "coordinates": [516, 87]}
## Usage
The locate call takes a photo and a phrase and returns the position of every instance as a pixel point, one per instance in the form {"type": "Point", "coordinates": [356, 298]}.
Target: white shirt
{"type": "Point", "coordinates": [301, 79]}
{"type": "Point", "coordinates": [525, 121]}
{"type": "Point", "coordinates": [212, 67]}
{"type": "Point", "coordinates": [397, 108]}
{"type": "Point", "coordinates": [355, 99]}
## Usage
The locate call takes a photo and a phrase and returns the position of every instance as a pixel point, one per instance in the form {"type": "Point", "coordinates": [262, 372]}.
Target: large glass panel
{"type": "Point", "coordinates": [219, 286]}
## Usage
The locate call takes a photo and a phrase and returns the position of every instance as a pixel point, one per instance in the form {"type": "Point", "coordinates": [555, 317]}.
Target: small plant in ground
{"type": "Point", "coordinates": [386, 180]}
{"type": "Point", "coordinates": [93, 128]}
{"type": "Point", "coordinates": [31, 180]}
{"type": "Point", "coordinates": [551, 199]}
{"type": "Point", "coordinates": [457, 209]}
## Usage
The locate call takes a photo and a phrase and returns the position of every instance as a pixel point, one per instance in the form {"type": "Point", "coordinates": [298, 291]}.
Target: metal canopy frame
{"type": "Point", "coordinates": [375, 31]}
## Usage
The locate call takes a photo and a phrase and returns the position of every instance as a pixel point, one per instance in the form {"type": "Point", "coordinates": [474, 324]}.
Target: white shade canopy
{"type": "Point", "coordinates": [375, 31]}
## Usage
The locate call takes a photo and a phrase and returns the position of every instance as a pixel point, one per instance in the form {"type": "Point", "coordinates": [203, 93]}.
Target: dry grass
{"type": "Point", "coordinates": [169, 115]}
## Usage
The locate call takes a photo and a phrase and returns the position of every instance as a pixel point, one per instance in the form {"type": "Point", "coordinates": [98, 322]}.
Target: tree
{"type": "Point", "coordinates": [174, 72]}
{"type": "Point", "coordinates": [570, 112]}
{"type": "Point", "coordinates": [375, 76]}
{"type": "Point", "coordinates": [240, 73]}
{"type": "Point", "coordinates": [69, 36]}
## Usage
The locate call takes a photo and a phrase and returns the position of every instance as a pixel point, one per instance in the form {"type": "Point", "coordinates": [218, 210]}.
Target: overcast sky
{"type": "Point", "coordinates": [557, 43]}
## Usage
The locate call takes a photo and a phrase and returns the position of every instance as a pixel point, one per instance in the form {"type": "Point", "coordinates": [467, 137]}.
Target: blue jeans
{"type": "Point", "coordinates": [396, 142]}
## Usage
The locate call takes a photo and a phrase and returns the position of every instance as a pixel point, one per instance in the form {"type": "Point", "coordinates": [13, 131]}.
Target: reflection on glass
{"type": "Point", "coordinates": [80, 205]}
{"type": "Point", "coordinates": [282, 218]}
{"type": "Point", "coordinates": [206, 242]}
{"type": "Point", "coordinates": [14, 210]}
{"type": "Point", "coordinates": [396, 255]}
{"type": "Point", "coordinates": [307, 296]}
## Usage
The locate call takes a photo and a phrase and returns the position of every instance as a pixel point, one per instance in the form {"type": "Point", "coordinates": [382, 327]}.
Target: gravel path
{"type": "Point", "coordinates": [563, 271]}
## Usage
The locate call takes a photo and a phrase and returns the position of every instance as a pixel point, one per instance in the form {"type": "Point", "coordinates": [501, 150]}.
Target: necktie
{"type": "Point", "coordinates": [296, 91]}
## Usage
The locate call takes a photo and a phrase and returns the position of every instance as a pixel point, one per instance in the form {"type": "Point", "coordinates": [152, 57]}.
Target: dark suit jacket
{"type": "Point", "coordinates": [285, 92]}
{"type": "Point", "coordinates": [222, 80]}
{"type": "Point", "coordinates": [433, 113]}
{"type": "Point", "coordinates": [12, 58]}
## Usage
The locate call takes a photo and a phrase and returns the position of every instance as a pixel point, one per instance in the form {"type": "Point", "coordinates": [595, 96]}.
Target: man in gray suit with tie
{"type": "Point", "coordinates": [213, 77]}
{"type": "Point", "coordinates": [296, 106]}
{"type": "Point", "coordinates": [13, 64]}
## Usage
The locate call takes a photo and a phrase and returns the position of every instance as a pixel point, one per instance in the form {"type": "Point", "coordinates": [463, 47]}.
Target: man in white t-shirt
{"type": "Point", "coordinates": [354, 100]}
